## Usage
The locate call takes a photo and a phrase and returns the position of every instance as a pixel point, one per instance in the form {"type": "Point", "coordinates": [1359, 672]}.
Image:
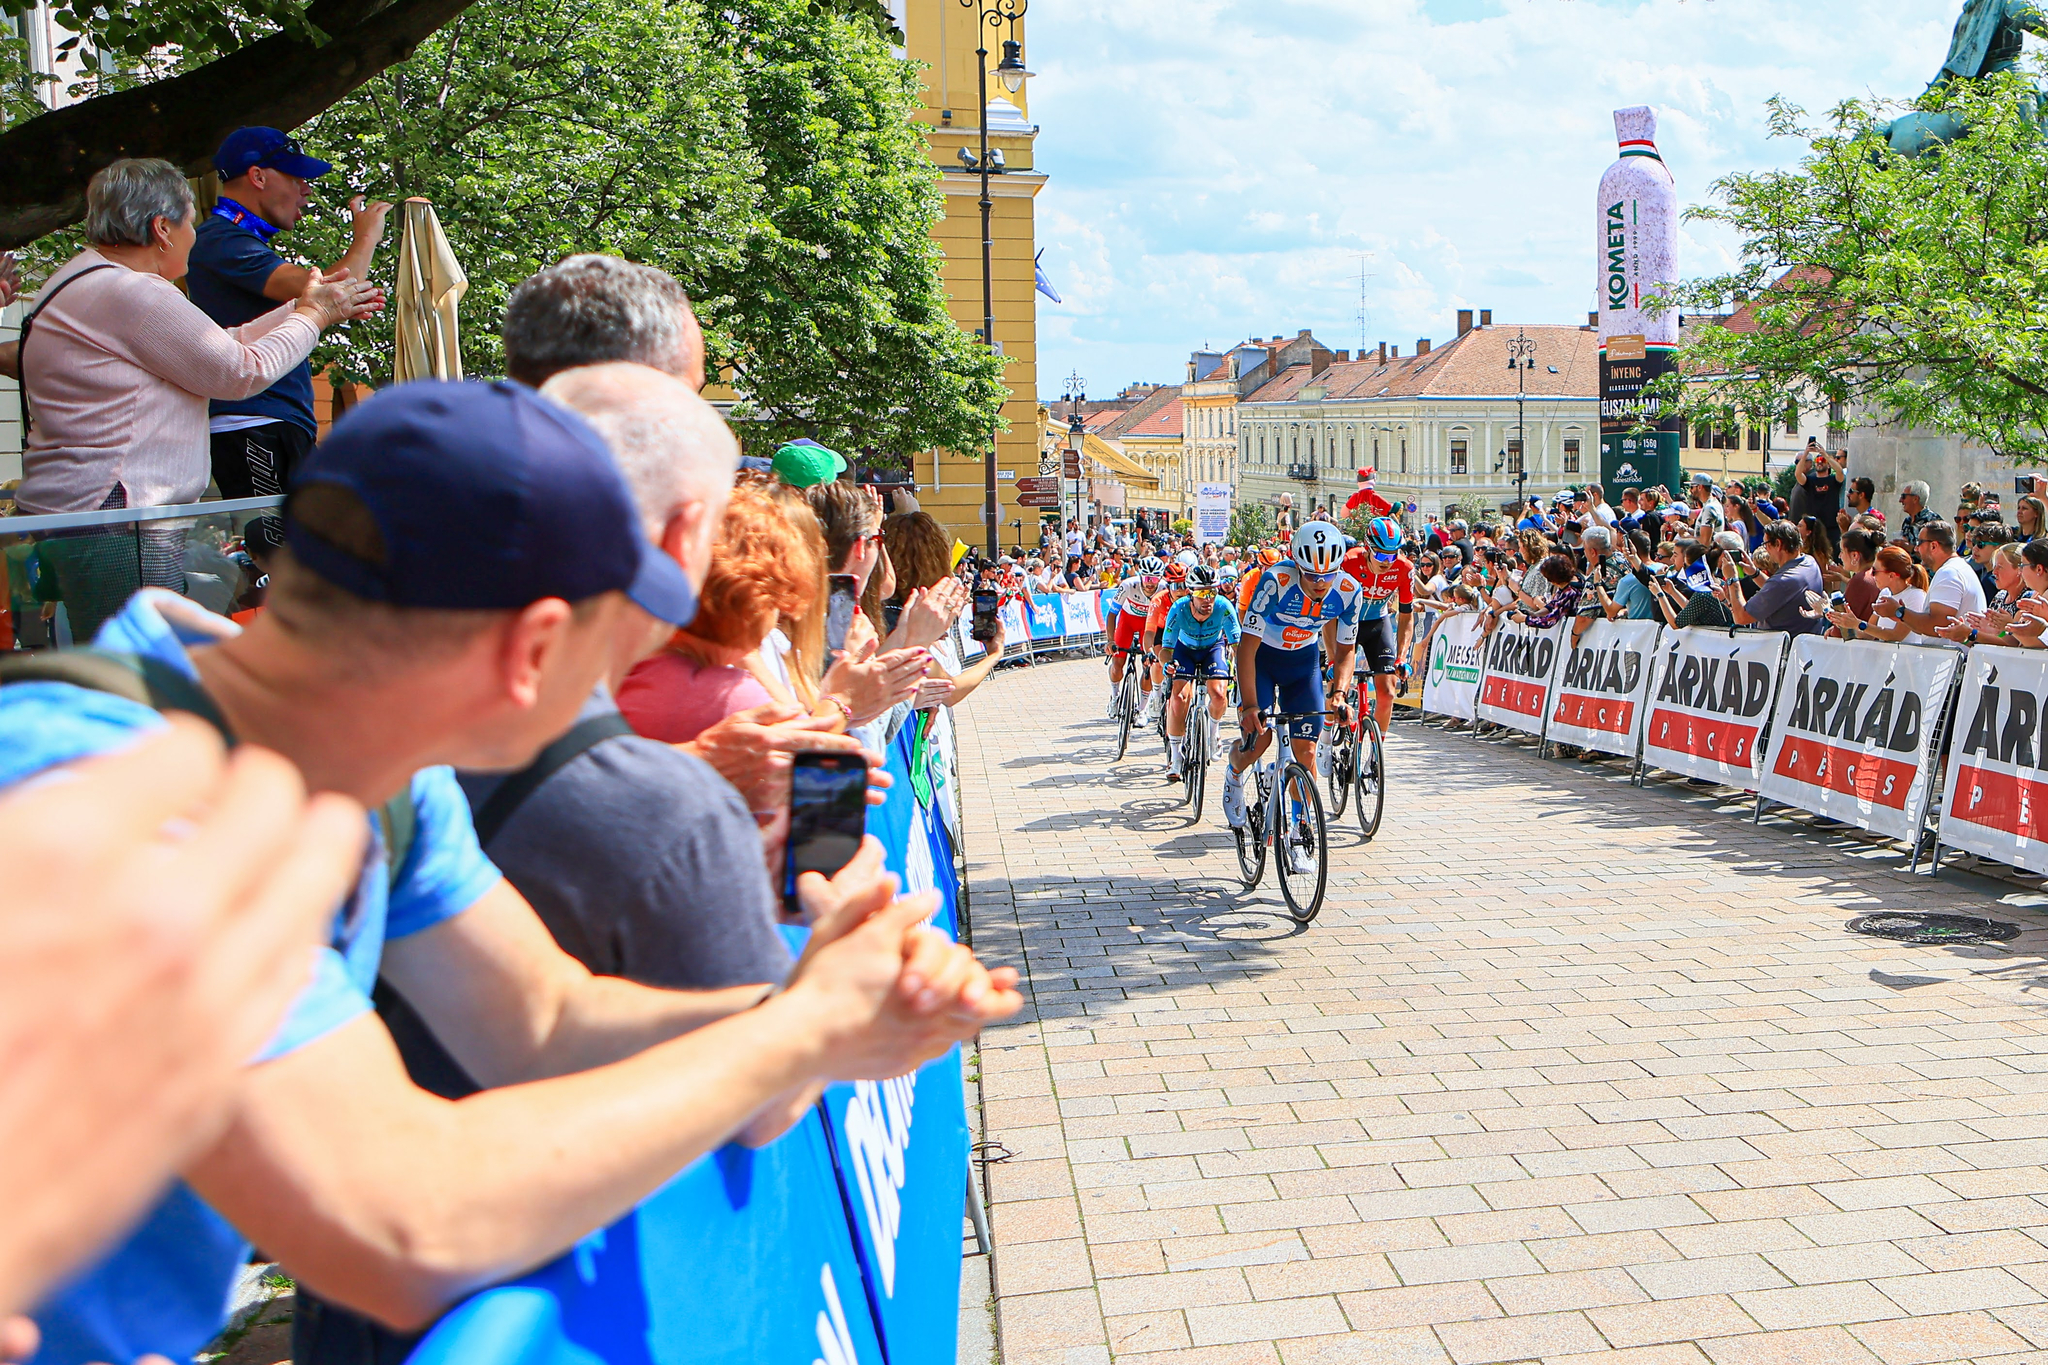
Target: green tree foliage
{"type": "Point", "coordinates": [762, 153]}
{"type": "Point", "coordinates": [1915, 289]}
{"type": "Point", "coordinates": [1251, 524]}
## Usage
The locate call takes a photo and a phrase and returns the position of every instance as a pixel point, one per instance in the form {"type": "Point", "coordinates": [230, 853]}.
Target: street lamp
{"type": "Point", "coordinates": [992, 14]}
{"type": "Point", "coordinates": [1521, 359]}
{"type": "Point", "coordinates": [1076, 430]}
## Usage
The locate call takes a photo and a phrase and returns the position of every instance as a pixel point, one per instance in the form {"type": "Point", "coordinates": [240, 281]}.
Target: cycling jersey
{"type": "Point", "coordinates": [1283, 617]}
{"type": "Point", "coordinates": [1182, 627]}
{"type": "Point", "coordinates": [1155, 616]}
{"type": "Point", "coordinates": [1132, 595]}
{"type": "Point", "coordinates": [1381, 581]}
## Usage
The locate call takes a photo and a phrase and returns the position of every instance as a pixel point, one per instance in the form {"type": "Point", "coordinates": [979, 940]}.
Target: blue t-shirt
{"type": "Point", "coordinates": [166, 1287]}
{"type": "Point", "coordinates": [229, 267]}
{"type": "Point", "coordinates": [1184, 628]}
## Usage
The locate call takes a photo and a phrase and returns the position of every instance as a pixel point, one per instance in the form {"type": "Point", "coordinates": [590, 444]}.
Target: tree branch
{"type": "Point", "coordinates": [276, 81]}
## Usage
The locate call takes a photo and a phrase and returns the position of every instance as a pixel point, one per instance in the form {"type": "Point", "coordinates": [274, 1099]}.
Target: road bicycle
{"type": "Point", "coordinates": [1284, 811]}
{"type": "Point", "coordinates": [1198, 748]}
{"type": "Point", "coordinates": [1358, 760]}
{"type": "Point", "coordinates": [1126, 702]}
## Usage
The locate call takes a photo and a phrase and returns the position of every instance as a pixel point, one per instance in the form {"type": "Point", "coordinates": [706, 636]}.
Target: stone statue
{"type": "Point", "coordinates": [1987, 38]}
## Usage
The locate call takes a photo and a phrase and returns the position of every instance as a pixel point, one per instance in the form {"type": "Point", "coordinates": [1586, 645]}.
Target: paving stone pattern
{"type": "Point", "coordinates": [1567, 1071]}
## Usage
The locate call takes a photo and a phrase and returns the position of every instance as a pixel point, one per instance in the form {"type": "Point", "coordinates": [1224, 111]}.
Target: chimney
{"type": "Point", "coordinates": [1383, 353]}
{"type": "Point", "coordinates": [1486, 317]}
{"type": "Point", "coordinates": [1464, 321]}
{"type": "Point", "coordinates": [1318, 361]}
{"type": "Point", "coordinates": [1302, 333]}
{"type": "Point", "coordinates": [1593, 319]}
{"type": "Point", "coordinates": [1394, 351]}
{"type": "Point", "coordinates": [1422, 345]}
{"type": "Point", "coordinates": [1343, 357]}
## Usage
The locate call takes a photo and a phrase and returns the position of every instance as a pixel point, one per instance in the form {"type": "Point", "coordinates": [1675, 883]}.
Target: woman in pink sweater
{"type": "Point", "coordinates": [118, 366]}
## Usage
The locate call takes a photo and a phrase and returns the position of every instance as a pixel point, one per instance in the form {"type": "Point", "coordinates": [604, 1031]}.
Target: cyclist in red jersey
{"type": "Point", "coordinates": [1383, 638]}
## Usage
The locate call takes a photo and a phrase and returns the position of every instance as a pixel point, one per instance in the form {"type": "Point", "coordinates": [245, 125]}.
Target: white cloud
{"type": "Point", "coordinates": [1218, 167]}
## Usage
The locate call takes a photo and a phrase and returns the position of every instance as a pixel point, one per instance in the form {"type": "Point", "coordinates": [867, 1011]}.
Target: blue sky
{"type": "Point", "coordinates": [1220, 167]}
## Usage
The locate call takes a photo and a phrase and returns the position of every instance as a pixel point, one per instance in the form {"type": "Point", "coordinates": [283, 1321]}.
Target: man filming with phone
{"type": "Point", "coordinates": [235, 276]}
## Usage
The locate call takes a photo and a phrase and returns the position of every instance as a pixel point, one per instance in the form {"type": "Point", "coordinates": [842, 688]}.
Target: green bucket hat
{"type": "Point", "coordinates": [802, 463]}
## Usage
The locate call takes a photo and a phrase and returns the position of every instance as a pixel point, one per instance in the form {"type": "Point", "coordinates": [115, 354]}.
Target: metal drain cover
{"type": "Point", "coordinates": [1916, 928]}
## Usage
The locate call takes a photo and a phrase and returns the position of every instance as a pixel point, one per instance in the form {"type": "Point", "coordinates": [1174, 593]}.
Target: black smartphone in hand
{"type": "Point", "coordinates": [828, 813]}
{"type": "Point", "coordinates": [985, 604]}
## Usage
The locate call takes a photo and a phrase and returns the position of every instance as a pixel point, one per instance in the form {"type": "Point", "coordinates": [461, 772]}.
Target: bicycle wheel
{"type": "Point", "coordinates": [1301, 812]}
{"type": "Point", "coordinates": [1126, 711]}
{"type": "Point", "coordinates": [1251, 837]}
{"type": "Point", "coordinates": [1195, 761]}
{"type": "Point", "coordinates": [1372, 779]}
{"type": "Point", "coordinates": [1343, 767]}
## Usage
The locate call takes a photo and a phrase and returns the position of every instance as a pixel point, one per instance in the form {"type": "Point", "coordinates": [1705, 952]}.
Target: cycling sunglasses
{"type": "Point", "coordinates": [1203, 593]}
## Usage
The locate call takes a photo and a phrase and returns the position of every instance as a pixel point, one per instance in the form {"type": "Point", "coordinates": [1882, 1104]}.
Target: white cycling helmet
{"type": "Point", "coordinates": [1188, 559]}
{"type": "Point", "coordinates": [1317, 548]}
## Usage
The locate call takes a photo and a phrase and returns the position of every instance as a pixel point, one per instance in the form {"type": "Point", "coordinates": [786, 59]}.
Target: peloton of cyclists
{"type": "Point", "coordinates": [1128, 608]}
{"type": "Point", "coordinates": [1172, 588]}
{"type": "Point", "coordinates": [1296, 604]}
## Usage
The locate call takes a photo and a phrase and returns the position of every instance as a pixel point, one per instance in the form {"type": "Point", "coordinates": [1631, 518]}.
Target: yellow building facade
{"type": "Point", "coordinates": [942, 36]}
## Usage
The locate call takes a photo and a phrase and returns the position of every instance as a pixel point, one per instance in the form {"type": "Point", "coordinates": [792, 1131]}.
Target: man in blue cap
{"type": "Point", "coordinates": [235, 276]}
{"type": "Point", "coordinates": [461, 563]}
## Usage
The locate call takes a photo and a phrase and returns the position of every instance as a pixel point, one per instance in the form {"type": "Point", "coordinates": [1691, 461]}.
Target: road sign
{"type": "Point", "coordinates": [1071, 466]}
{"type": "Point", "coordinates": [1038, 485]}
{"type": "Point", "coordinates": [1038, 500]}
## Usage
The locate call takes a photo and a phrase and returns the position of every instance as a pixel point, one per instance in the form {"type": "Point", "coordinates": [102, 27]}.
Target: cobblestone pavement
{"type": "Point", "coordinates": [1567, 1071]}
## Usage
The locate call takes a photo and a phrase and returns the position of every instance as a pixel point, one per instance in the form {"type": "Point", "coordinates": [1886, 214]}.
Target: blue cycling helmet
{"type": "Point", "coordinates": [1384, 535]}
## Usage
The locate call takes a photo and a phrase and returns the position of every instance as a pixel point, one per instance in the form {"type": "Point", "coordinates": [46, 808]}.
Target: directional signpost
{"type": "Point", "coordinates": [1040, 485]}
{"type": "Point", "coordinates": [1038, 500]}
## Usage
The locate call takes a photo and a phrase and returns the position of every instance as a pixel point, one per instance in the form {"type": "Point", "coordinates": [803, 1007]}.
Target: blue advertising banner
{"type": "Point", "coordinates": [744, 1257]}
{"type": "Point", "coordinates": [1045, 617]}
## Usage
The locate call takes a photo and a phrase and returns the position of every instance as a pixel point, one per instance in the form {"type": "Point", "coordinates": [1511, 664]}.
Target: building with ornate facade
{"type": "Point", "coordinates": [1446, 427]}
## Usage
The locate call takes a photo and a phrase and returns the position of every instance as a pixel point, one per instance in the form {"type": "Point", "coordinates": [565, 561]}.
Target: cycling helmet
{"type": "Point", "coordinates": [1176, 572]}
{"type": "Point", "coordinates": [1187, 559]}
{"type": "Point", "coordinates": [1150, 566]}
{"type": "Point", "coordinates": [1201, 576]}
{"type": "Point", "coordinates": [1269, 555]}
{"type": "Point", "coordinates": [1317, 548]}
{"type": "Point", "coordinates": [1383, 534]}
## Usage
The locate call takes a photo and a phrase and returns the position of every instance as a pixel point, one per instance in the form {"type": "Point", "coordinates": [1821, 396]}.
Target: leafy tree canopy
{"type": "Point", "coordinates": [760, 152]}
{"type": "Point", "coordinates": [1915, 289]}
{"type": "Point", "coordinates": [1251, 525]}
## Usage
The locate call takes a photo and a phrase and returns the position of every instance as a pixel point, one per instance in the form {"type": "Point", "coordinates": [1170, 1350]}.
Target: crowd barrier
{"type": "Point", "coordinates": [1046, 623]}
{"type": "Point", "coordinates": [1852, 730]}
{"type": "Point", "coordinates": [838, 1243]}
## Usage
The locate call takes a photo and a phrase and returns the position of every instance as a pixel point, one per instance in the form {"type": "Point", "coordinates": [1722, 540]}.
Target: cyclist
{"type": "Point", "coordinates": [1386, 578]}
{"type": "Point", "coordinates": [1132, 599]}
{"type": "Point", "coordinates": [1304, 599]}
{"type": "Point", "coordinates": [1172, 585]}
{"type": "Point", "coordinates": [1198, 629]}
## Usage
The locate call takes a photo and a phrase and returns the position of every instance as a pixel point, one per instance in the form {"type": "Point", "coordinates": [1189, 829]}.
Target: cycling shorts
{"type": "Point", "coordinates": [1124, 635]}
{"type": "Point", "coordinates": [1200, 661]}
{"type": "Point", "coordinates": [1296, 677]}
{"type": "Point", "coordinates": [1376, 641]}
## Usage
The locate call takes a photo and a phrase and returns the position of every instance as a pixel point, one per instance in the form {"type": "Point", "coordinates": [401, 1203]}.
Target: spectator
{"type": "Point", "coordinates": [1736, 517]}
{"type": "Point", "coordinates": [850, 520]}
{"type": "Point", "coordinates": [2030, 518]}
{"type": "Point", "coordinates": [1596, 501]}
{"type": "Point", "coordinates": [1815, 539]}
{"type": "Point", "coordinates": [236, 277]}
{"type": "Point", "coordinates": [1683, 605]}
{"type": "Point", "coordinates": [1913, 500]}
{"type": "Point", "coordinates": [1902, 588]}
{"type": "Point", "coordinates": [1707, 513]}
{"type": "Point", "coordinates": [1603, 574]}
{"type": "Point", "coordinates": [922, 551]}
{"type": "Point", "coordinates": [587, 309]}
{"type": "Point", "coordinates": [120, 1067]}
{"type": "Point", "coordinates": [1952, 586]}
{"type": "Point", "coordinates": [119, 369]}
{"type": "Point", "coordinates": [1855, 579]}
{"type": "Point", "coordinates": [1990, 625]}
{"type": "Point", "coordinates": [506, 515]}
{"type": "Point", "coordinates": [1566, 589]}
{"type": "Point", "coordinates": [1780, 603]}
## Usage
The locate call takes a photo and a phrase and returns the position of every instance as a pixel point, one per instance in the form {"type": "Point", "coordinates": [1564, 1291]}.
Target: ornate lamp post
{"type": "Point", "coordinates": [1521, 359]}
{"type": "Point", "coordinates": [992, 14]}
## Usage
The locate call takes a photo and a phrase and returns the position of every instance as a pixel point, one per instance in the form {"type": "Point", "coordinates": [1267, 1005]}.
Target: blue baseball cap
{"type": "Point", "coordinates": [486, 497]}
{"type": "Point", "coordinates": [246, 147]}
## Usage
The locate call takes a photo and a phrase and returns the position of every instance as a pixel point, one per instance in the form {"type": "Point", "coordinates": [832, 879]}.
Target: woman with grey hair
{"type": "Point", "coordinates": [117, 366]}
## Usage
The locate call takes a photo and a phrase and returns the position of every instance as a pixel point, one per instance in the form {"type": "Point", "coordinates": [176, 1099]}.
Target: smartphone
{"type": "Point", "coordinates": [985, 604]}
{"type": "Point", "coordinates": [840, 606]}
{"type": "Point", "coordinates": [828, 805]}
{"type": "Point", "coordinates": [892, 616]}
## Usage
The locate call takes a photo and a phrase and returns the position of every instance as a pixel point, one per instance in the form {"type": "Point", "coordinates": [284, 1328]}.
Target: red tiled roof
{"type": "Point", "coordinates": [1474, 365]}
{"type": "Point", "coordinates": [1165, 420]}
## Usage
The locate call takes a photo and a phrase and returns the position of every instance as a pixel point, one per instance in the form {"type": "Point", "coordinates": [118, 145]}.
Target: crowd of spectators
{"type": "Point", "coordinates": [562, 654]}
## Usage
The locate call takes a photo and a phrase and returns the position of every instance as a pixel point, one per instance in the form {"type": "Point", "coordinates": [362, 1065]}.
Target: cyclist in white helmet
{"type": "Point", "coordinates": [1128, 606]}
{"type": "Point", "coordinates": [1304, 600]}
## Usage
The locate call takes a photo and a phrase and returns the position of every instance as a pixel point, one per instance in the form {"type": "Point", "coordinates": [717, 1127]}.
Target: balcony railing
{"type": "Point", "coordinates": [1306, 473]}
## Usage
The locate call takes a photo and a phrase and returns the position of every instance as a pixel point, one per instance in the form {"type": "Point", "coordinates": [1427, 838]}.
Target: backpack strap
{"type": "Point", "coordinates": [147, 681]}
{"type": "Point", "coordinates": [28, 323]}
{"type": "Point", "coordinates": [511, 794]}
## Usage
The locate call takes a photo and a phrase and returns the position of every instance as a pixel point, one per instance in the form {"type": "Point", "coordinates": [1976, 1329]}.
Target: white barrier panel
{"type": "Point", "coordinates": [1997, 801]}
{"type": "Point", "coordinates": [1853, 731]}
{"type": "Point", "coordinates": [1450, 685]}
{"type": "Point", "coordinates": [1080, 613]}
{"type": "Point", "coordinates": [1709, 701]}
{"type": "Point", "coordinates": [1602, 685]}
{"type": "Point", "coordinates": [1520, 662]}
{"type": "Point", "coordinates": [1016, 633]}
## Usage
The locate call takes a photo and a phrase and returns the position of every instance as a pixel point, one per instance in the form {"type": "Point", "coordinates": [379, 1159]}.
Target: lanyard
{"type": "Point", "coordinates": [242, 218]}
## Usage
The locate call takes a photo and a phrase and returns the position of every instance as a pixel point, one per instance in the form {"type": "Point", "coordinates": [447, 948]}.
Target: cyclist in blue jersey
{"type": "Point", "coordinates": [1304, 600]}
{"type": "Point", "coordinates": [1198, 629]}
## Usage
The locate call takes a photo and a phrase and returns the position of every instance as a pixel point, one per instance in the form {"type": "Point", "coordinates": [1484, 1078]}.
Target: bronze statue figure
{"type": "Point", "coordinates": [1987, 39]}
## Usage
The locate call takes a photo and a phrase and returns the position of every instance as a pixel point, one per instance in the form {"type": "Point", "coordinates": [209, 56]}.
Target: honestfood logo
{"type": "Point", "coordinates": [1626, 474]}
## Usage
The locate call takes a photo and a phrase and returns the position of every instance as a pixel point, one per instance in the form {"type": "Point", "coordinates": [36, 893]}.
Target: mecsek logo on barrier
{"type": "Point", "coordinates": [1460, 663]}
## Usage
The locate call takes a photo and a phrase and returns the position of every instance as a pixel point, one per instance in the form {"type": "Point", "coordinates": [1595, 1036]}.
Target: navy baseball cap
{"type": "Point", "coordinates": [485, 497]}
{"type": "Point", "coordinates": [246, 147]}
